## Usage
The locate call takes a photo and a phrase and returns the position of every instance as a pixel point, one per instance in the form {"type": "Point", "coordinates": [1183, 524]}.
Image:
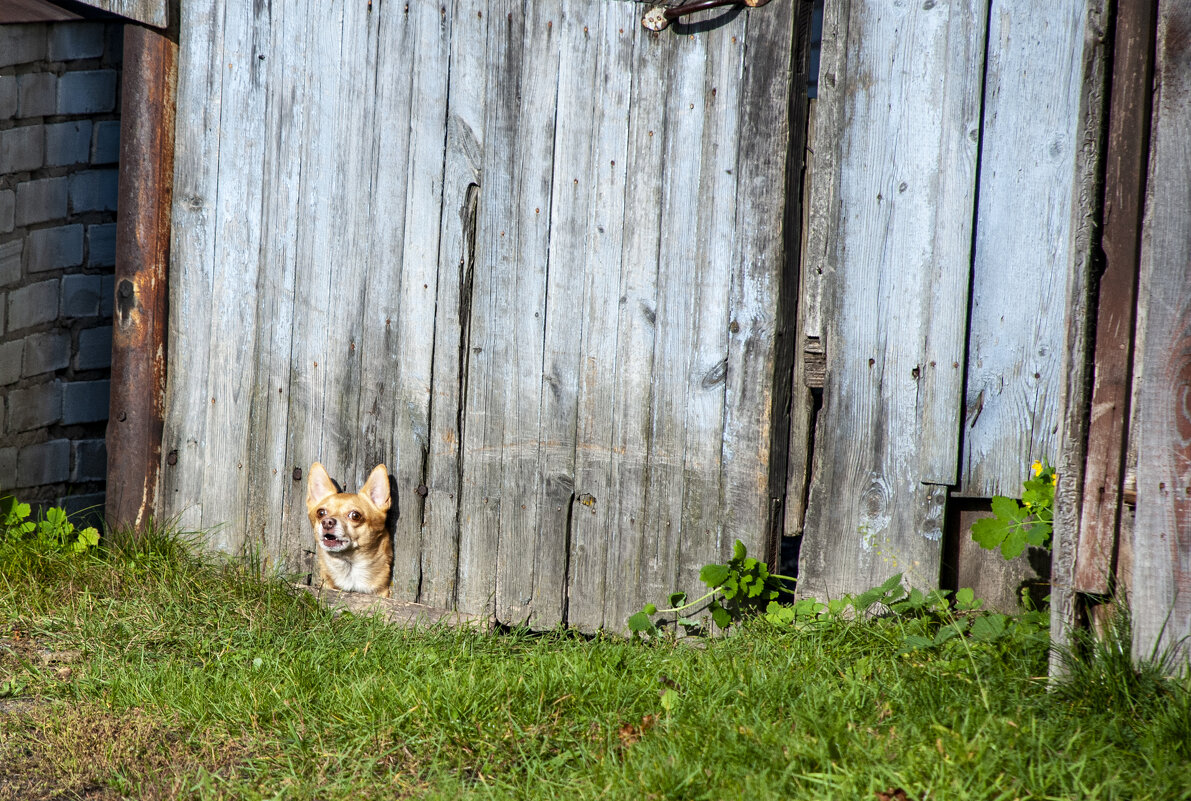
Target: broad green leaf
{"type": "Point", "coordinates": [714, 575]}
{"type": "Point", "coordinates": [721, 616]}
{"type": "Point", "coordinates": [944, 634]}
{"type": "Point", "coordinates": [677, 599]}
{"type": "Point", "coordinates": [965, 598]}
{"type": "Point", "coordinates": [988, 627]}
{"type": "Point", "coordinates": [1014, 542]}
{"type": "Point", "coordinates": [914, 642]}
{"type": "Point", "coordinates": [989, 532]}
{"type": "Point", "coordinates": [738, 550]}
{"type": "Point", "coordinates": [650, 609]}
{"type": "Point", "coordinates": [669, 697]}
{"type": "Point", "coordinates": [640, 623]}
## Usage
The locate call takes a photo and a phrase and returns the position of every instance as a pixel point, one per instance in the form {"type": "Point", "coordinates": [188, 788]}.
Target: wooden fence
{"type": "Point", "coordinates": [558, 273]}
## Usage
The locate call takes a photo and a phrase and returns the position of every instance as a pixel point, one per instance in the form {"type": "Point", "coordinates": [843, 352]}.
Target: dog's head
{"type": "Point", "coordinates": [344, 521]}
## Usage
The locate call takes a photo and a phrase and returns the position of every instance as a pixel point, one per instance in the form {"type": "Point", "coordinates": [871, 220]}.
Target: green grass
{"type": "Point", "coordinates": [144, 672]}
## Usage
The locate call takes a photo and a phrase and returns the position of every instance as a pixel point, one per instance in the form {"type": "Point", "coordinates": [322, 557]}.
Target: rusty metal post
{"type": "Point", "coordinates": [142, 258]}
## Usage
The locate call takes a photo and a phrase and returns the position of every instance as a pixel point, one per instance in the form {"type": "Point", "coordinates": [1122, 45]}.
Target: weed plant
{"type": "Point", "coordinates": [138, 670]}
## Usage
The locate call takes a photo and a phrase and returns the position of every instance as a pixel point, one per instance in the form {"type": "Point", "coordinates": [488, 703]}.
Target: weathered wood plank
{"type": "Point", "coordinates": [760, 324]}
{"type": "Point", "coordinates": [1092, 79]}
{"type": "Point", "coordinates": [150, 12]}
{"type": "Point", "coordinates": [594, 502]}
{"type": "Point", "coordinates": [1022, 245]}
{"type": "Point", "coordinates": [577, 36]}
{"type": "Point", "coordinates": [271, 479]}
{"type": "Point", "coordinates": [237, 234]}
{"type": "Point", "coordinates": [1124, 205]}
{"type": "Point", "coordinates": [1161, 601]}
{"type": "Point", "coordinates": [456, 260]}
{"type": "Point", "coordinates": [870, 514]}
{"type": "Point", "coordinates": [192, 265]}
{"type": "Point", "coordinates": [636, 331]}
{"type": "Point", "coordinates": [489, 353]}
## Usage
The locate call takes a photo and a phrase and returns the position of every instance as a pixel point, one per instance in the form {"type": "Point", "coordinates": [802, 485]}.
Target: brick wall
{"type": "Point", "coordinates": [59, 146]}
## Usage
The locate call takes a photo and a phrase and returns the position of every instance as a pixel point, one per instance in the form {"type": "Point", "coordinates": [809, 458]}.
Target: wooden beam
{"type": "Point", "coordinates": [1161, 582]}
{"type": "Point", "coordinates": [142, 256]}
{"type": "Point", "coordinates": [1124, 204]}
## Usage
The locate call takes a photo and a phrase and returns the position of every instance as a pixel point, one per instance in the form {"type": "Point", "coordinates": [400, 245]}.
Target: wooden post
{"type": "Point", "coordinates": [142, 256]}
{"type": "Point", "coordinates": [1161, 582]}
{"type": "Point", "coordinates": [1124, 203]}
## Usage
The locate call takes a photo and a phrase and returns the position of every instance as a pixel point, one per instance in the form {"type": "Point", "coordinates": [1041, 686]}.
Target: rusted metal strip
{"type": "Point", "coordinates": [142, 256]}
{"type": "Point", "coordinates": [659, 18]}
{"type": "Point", "coordinates": [1124, 204]}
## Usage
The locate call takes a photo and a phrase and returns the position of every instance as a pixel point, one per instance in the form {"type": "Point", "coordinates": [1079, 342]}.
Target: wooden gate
{"type": "Point", "coordinates": [526, 253]}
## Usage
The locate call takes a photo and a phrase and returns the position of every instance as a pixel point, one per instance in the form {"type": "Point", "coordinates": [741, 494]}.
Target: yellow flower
{"type": "Point", "coordinates": [1037, 468]}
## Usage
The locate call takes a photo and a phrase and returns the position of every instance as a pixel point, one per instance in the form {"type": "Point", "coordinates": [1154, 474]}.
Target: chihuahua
{"type": "Point", "coordinates": [355, 552]}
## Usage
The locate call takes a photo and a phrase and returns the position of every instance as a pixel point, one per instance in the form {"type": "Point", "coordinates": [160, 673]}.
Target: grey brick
{"type": "Point", "coordinates": [20, 44]}
{"type": "Point", "coordinates": [38, 201]}
{"type": "Point", "coordinates": [10, 261]}
{"type": "Point", "coordinates": [95, 349]}
{"type": "Point", "coordinates": [113, 49]}
{"type": "Point", "coordinates": [67, 143]}
{"type": "Point", "coordinates": [37, 94]}
{"type": "Point", "coordinates": [71, 41]}
{"type": "Point", "coordinates": [80, 295]}
{"type": "Point", "coordinates": [107, 296]}
{"type": "Point", "coordinates": [8, 468]}
{"type": "Point", "coordinates": [52, 248]}
{"type": "Point", "coordinates": [46, 352]}
{"type": "Point", "coordinates": [87, 92]}
{"type": "Point", "coordinates": [85, 401]}
{"type": "Point", "coordinates": [93, 190]}
{"type": "Point", "coordinates": [35, 407]}
{"type": "Point", "coordinates": [101, 245]}
{"type": "Point", "coordinates": [90, 462]}
{"type": "Point", "coordinates": [106, 148]}
{"type": "Point", "coordinates": [10, 361]}
{"type": "Point", "coordinates": [8, 97]}
{"type": "Point", "coordinates": [22, 149]}
{"type": "Point", "coordinates": [33, 304]}
{"type": "Point", "coordinates": [84, 510]}
{"type": "Point", "coordinates": [44, 463]}
{"type": "Point", "coordinates": [8, 210]}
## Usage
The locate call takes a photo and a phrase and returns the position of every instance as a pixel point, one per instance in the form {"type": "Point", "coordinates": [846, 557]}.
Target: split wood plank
{"type": "Point", "coordinates": [1161, 582]}
{"type": "Point", "coordinates": [1124, 205]}
{"type": "Point", "coordinates": [150, 12]}
{"type": "Point", "coordinates": [1022, 244]}
{"type": "Point", "coordinates": [905, 90]}
{"type": "Point", "coordinates": [594, 501]}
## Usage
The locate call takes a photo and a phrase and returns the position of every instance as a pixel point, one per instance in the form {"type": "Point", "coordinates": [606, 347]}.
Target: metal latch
{"type": "Point", "coordinates": [659, 18]}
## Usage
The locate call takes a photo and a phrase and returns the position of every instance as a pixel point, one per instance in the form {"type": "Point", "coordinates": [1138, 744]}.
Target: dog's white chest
{"type": "Point", "coordinates": [347, 575]}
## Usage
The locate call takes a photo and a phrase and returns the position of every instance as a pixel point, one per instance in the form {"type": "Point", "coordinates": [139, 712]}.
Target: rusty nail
{"type": "Point", "coordinates": [297, 474]}
{"type": "Point", "coordinates": [172, 458]}
{"type": "Point", "coordinates": [422, 490]}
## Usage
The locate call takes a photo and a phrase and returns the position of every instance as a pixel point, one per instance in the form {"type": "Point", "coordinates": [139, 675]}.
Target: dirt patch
{"type": "Point", "coordinates": [53, 750]}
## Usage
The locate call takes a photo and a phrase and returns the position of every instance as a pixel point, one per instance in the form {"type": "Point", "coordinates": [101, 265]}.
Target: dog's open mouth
{"type": "Point", "coordinates": [333, 543]}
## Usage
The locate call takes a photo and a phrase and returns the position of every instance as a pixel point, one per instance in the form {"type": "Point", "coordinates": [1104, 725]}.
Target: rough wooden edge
{"type": "Point", "coordinates": [1076, 390]}
{"type": "Point", "coordinates": [399, 613]}
{"type": "Point", "coordinates": [1126, 157]}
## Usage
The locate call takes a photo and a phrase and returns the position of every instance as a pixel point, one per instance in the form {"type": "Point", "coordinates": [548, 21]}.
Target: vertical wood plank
{"type": "Point", "coordinates": [870, 514]}
{"type": "Point", "coordinates": [464, 147]}
{"type": "Point", "coordinates": [1161, 583]}
{"type": "Point", "coordinates": [1124, 204]}
{"type": "Point", "coordinates": [594, 502]}
{"type": "Point", "coordinates": [488, 354]}
{"type": "Point", "coordinates": [192, 265]}
{"type": "Point", "coordinates": [1023, 236]}
{"type": "Point", "coordinates": [577, 35]}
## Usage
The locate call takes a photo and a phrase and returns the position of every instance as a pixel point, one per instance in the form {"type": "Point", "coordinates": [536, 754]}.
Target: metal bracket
{"type": "Point", "coordinates": [659, 18]}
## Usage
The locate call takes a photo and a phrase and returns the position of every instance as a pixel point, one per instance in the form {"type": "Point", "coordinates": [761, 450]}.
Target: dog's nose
{"type": "Point", "coordinates": [328, 524]}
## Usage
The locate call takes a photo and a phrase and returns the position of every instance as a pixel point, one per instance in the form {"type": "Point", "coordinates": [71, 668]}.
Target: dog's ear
{"type": "Point", "coordinates": [377, 488]}
{"type": "Point", "coordinates": [319, 485]}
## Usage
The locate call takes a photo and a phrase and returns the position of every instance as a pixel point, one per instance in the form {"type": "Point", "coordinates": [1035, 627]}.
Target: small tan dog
{"type": "Point", "coordinates": [355, 552]}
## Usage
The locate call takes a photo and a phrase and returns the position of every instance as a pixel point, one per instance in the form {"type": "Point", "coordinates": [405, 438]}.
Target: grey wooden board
{"type": "Point", "coordinates": [494, 245]}
{"type": "Point", "coordinates": [1016, 339]}
{"type": "Point", "coordinates": [150, 12]}
{"type": "Point", "coordinates": [1161, 581]}
{"type": "Point", "coordinates": [900, 96]}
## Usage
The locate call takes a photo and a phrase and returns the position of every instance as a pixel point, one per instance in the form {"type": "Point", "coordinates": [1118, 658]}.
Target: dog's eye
{"type": "Point", "coordinates": [355, 516]}
{"type": "Point", "coordinates": [321, 513]}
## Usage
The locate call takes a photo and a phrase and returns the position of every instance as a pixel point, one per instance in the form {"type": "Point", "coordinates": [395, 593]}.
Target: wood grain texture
{"type": "Point", "coordinates": [495, 246]}
{"type": "Point", "coordinates": [1124, 203]}
{"type": "Point", "coordinates": [150, 12]}
{"type": "Point", "coordinates": [1022, 246]}
{"type": "Point", "coordinates": [906, 84]}
{"type": "Point", "coordinates": [1161, 583]}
